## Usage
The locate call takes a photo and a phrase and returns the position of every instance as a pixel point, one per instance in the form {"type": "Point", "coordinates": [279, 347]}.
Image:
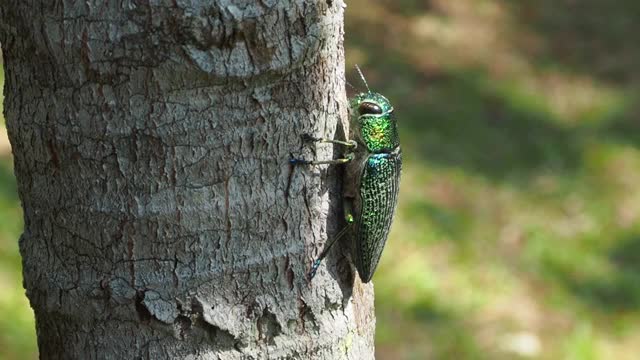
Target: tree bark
{"type": "Point", "coordinates": [162, 218]}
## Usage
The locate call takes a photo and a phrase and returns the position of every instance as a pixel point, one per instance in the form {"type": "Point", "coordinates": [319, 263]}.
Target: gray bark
{"type": "Point", "coordinates": [162, 219]}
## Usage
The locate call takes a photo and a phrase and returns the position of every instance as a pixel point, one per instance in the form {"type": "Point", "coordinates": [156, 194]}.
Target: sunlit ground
{"type": "Point", "coordinates": [518, 233]}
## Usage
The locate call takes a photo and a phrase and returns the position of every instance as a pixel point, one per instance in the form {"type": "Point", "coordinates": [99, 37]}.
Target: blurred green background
{"type": "Point", "coordinates": [17, 327]}
{"type": "Point", "coordinates": [518, 234]}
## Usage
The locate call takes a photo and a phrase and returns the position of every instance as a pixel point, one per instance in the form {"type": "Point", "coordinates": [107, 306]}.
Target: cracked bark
{"type": "Point", "coordinates": [162, 219]}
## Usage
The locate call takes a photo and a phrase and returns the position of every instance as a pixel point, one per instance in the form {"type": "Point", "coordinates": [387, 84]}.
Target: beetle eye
{"type": "Point", "coordinates": [369, 108]}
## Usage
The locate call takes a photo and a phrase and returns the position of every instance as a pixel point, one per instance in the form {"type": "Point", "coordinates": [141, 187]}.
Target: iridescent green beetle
{"type": "Point", "coordinates": [372, 180]}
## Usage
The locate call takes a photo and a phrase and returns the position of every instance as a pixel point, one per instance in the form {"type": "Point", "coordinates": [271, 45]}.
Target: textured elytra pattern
{"type": "Point", "coordinates": [379, 195]}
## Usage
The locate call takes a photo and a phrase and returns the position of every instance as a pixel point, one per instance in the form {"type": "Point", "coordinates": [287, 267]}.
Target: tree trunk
{"type": "Point", "coordinates": [162, 218]}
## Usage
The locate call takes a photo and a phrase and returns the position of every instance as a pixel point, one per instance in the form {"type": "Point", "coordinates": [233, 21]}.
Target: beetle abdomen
{"type": "Point", "coordinates": [378, 198]}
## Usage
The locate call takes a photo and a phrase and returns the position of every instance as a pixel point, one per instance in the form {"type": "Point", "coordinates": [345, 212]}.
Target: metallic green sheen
{"type": "Point", "coordinates": [373, 97]}
{"type": "Point", "coordinates": [377, 165]}
{"type": "Point", "coordinates": [378, 132]}
{"type": "Point", "coordinates": [372, 180]}
{"type": "Point", "coordinates": [378, 199]}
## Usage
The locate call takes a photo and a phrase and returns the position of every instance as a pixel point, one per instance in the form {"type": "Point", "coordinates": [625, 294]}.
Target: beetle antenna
{"type": "Point", "coordinates": [350, 85]}
{"type": "Point", "coordinates": [362, 77]}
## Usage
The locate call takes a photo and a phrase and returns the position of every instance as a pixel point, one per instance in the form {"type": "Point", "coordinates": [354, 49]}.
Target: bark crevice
{"type": "Point", "coordinates": [162, 217]}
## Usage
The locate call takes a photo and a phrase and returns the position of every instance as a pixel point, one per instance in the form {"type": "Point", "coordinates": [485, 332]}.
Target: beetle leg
{"type": "Point", "coordinates": [348, 216]}
{"type": "Point", "coordinates": [348, 211]}
{"type": "Point", "coordinates": [348, 143]}
{"type": "Point", "coordinates": [298, 161]}
{"type": "Point", "coordinates": [325, 251]}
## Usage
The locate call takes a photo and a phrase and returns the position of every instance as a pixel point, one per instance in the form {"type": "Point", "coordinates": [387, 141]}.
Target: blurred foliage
{"type": "Point", "coordinates": [518, 233]}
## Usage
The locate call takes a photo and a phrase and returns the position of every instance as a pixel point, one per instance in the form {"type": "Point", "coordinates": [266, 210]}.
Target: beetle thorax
{"type": "Point", "coordinates": [379, 133]}
{"type": "Point", "coordinates": [375, 122]}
